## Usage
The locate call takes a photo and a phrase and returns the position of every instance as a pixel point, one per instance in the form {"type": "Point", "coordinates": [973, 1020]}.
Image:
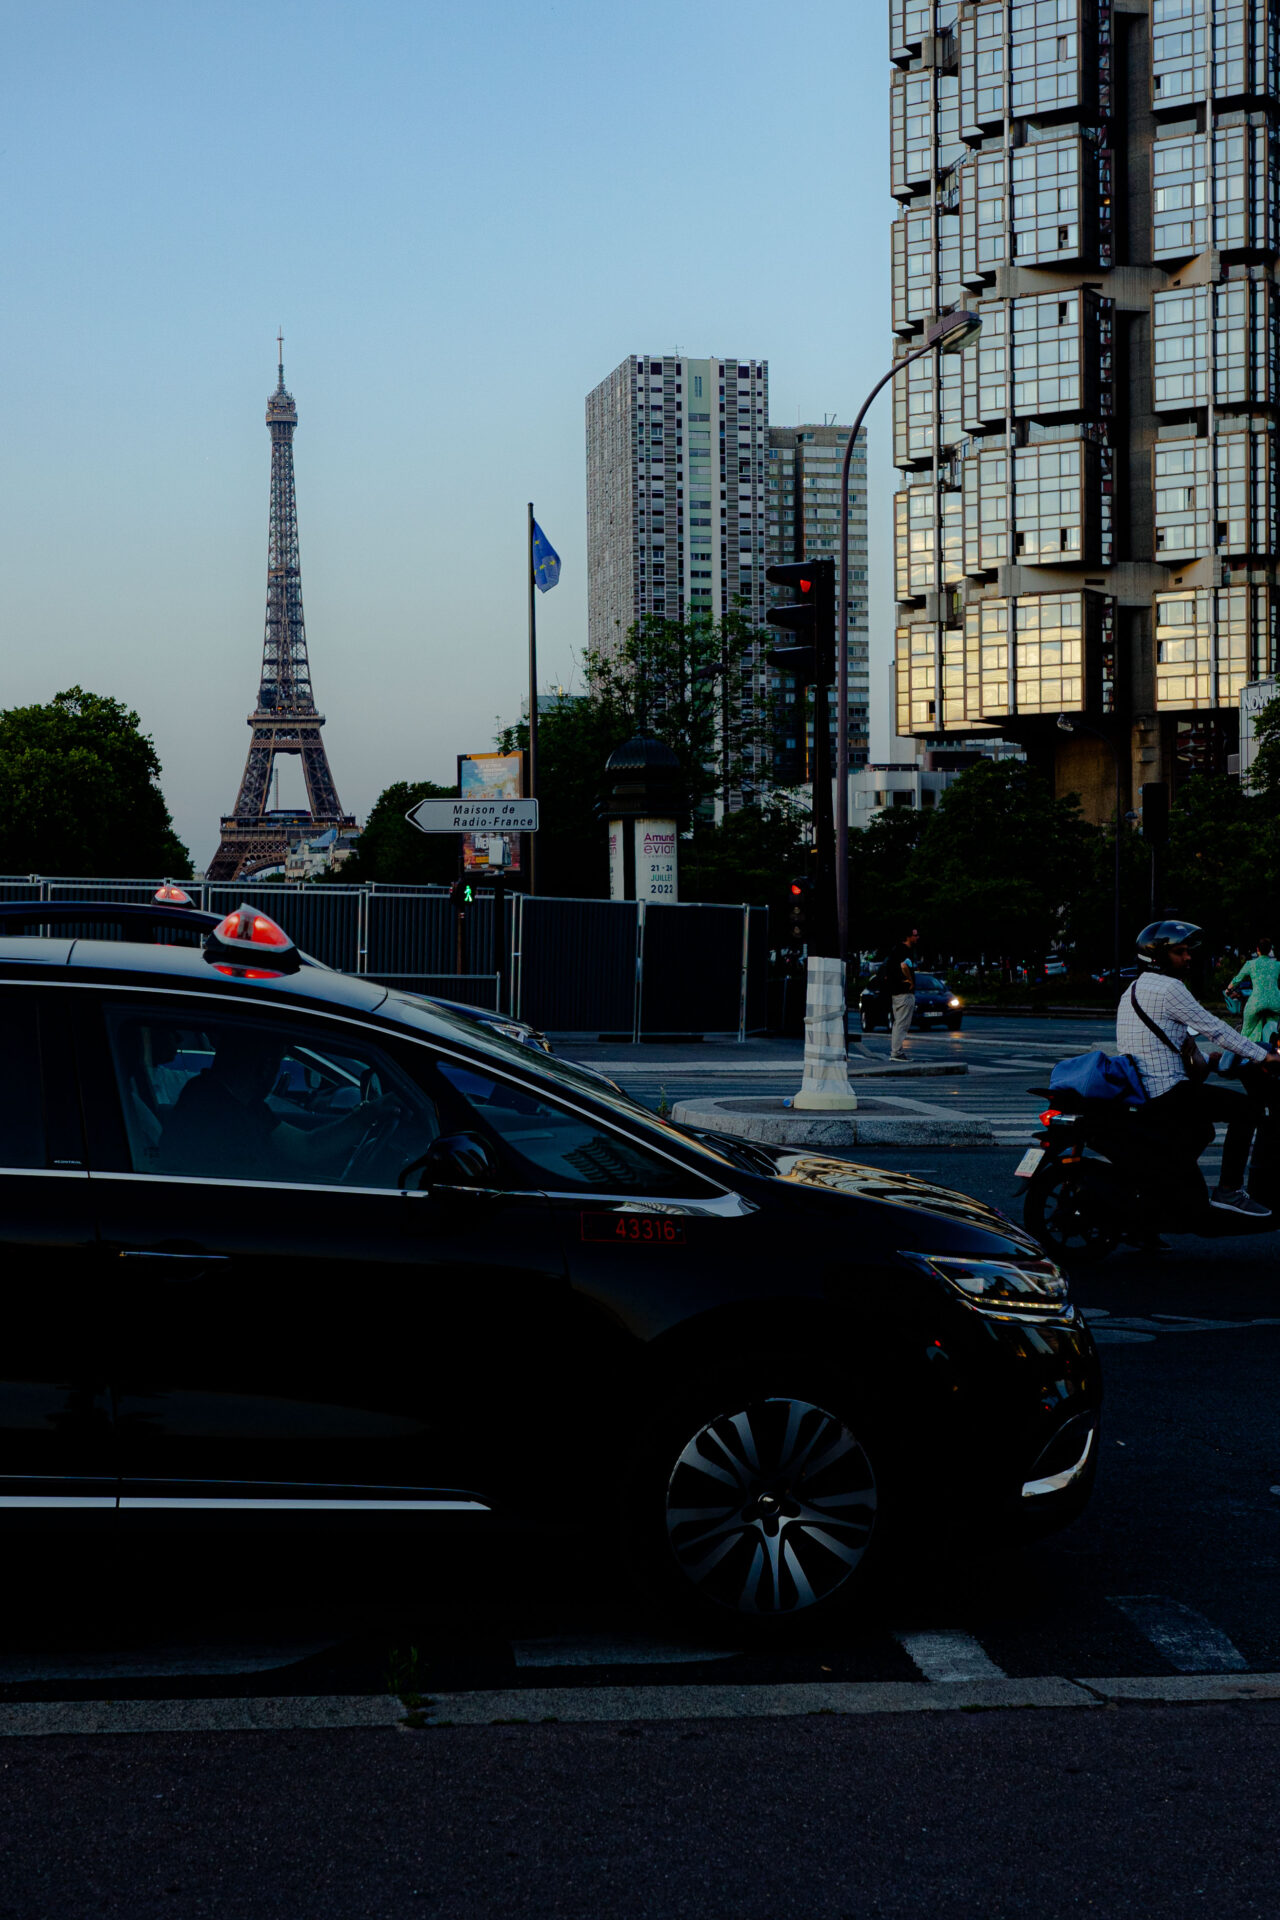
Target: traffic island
{"type": "Point", "coordinates": [876, 1123]}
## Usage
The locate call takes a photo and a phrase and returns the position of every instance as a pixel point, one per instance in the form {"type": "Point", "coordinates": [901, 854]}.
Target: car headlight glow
{"type": "Point", "coordinates": [1030, 1289]}
{"type": "Point", "coordinates": [953, 1002]}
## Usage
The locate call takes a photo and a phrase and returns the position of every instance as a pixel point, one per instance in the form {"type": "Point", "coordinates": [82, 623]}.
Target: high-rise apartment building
{"type": "Point", "coordinates": [1086, 522]}
{"type": "Point", "coordinates": [676, 501]}
{"type": "Point", "coordinates": [803, 507]}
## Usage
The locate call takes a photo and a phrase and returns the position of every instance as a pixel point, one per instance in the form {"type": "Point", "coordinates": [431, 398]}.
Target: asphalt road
{"type": "Point", "coordinates": [1174, 1570]}
{"type": "Point", "coordinates": [1004, 1057]}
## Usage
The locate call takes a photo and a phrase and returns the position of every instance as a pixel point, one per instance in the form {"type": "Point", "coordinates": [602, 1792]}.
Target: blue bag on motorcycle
{"type": "Point", "coordinates": [1099, 1076]}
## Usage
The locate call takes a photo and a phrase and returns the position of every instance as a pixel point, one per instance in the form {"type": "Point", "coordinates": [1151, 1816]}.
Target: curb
{"type": "Point", "coordinates": [534, 1706]}
{"type": "Point", "coordinates": [832, 1130]}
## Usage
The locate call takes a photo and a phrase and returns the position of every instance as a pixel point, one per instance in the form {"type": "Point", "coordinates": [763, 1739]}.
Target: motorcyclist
{"type": "Point", "coordinates": [1180, 1107]}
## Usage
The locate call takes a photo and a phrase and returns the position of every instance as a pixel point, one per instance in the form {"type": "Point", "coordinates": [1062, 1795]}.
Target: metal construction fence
{"type": "Point", "coordinates": [622, 967]}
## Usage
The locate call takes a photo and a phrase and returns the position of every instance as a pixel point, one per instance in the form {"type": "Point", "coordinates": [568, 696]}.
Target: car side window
{"type": "Point", "coordinates": [552, 1149]}
{"type": "Point", "coordinates": [218, 1095]}
{"type": "Point", "coordinates": [22, 1134]}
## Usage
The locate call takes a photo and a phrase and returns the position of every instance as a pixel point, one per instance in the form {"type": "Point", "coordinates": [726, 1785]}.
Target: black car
{"type": "Point", "coordinates": [286, 1251]}
{"type": "Point", "coordinates": [936, 1006]}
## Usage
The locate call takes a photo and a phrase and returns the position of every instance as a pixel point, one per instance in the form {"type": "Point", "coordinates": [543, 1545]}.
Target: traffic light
{"type": "Point", "coordinates": [462, 895]}
{"type": "Point", "coordinates": [811, 617]}
{"type": "Point", "coordinates": [799, 891]}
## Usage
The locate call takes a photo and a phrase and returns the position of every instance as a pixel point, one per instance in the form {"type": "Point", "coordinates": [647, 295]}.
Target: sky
{"type": "Point", "coordinates": [463, 217]}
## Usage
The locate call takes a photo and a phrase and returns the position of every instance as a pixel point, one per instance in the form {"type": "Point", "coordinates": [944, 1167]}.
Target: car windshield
{"type": "Point", "coordinates": [930, 983]}
{"type": "Point", "coordinates": [415, 1010]}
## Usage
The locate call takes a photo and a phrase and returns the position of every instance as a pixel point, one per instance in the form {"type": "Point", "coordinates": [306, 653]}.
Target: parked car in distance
{"type": "Point", "coordinates": [296, 1257]}
{"type": "Point", "coordinates": [936, 1006]}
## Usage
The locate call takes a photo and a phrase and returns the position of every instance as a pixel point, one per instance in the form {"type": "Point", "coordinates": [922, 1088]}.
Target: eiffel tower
{"type": "Point", "coordinates": [285, 720]}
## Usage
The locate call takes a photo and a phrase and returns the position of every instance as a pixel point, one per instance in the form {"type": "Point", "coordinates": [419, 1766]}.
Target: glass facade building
{"type": "Point", "coordinates": [1086, 519]}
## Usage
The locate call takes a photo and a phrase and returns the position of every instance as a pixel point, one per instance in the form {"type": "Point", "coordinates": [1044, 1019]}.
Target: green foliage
{"type": "Point", "coordinates": [681, 680]}
{"type": "Point", "coordinates": [574, 741]}
{"type": "Point", "coordinates": [751, 859]}
{"type": "Point", "coordinates": [391, 850]}
{"type": "Point", "coordinates": [988, 871]}
{"type": "Point", "coordinates": [1264, 775]}
{"type": "Point", "coordinates": [79, 792]}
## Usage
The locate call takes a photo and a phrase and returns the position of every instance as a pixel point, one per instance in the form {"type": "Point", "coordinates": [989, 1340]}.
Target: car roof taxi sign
{"type": "Point", "coordinates": [249, 945]}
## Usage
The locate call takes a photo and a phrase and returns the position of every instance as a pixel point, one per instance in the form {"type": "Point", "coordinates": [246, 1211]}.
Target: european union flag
{"type": "Point", "coordinates": [546, 561]}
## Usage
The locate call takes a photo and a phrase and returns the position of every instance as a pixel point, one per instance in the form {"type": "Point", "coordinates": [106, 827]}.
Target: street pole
{"type": "Point", "coordinates": [531, 777]}
{"type": "Point", "coordinates": [950, 334]}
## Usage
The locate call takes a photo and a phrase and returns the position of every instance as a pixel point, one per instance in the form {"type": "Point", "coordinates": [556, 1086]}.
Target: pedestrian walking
{"type": "Point", "coordinates": [898, 978]}
{"type": "Point", "coordinates": [1262, 1008]}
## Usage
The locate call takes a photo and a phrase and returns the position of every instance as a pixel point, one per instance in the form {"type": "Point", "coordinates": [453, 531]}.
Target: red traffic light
{"type": "Point", "coordinates": [796, 887]}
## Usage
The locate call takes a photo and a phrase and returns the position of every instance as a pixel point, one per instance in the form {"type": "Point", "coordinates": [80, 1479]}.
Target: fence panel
{"type": "Point", "coordinates": [472, 989]}
{"type": "Point", "coordinates": [577, 965]}
{"type": "Point", "coordinates": [15, 887]}
{"type": "Point", "coordinates": [692, 969]}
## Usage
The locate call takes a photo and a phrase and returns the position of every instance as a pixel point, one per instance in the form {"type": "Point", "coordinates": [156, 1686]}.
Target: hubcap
{"type": "Point", "coordinates": [770, 1509]}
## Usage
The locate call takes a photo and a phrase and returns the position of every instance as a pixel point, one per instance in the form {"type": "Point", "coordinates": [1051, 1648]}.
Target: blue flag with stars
{"type": "Point", "coordinates": [546, 561]}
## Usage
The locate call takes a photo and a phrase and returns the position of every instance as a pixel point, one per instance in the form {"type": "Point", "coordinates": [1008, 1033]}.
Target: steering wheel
{"type": "Point", "coordinates": [382, 1124]}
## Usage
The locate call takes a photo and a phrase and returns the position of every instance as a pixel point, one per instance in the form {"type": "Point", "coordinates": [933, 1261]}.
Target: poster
{"type": "Point", "coordinates": [491, 776]}
{"type": "Point", "coordinates": [655, 860]}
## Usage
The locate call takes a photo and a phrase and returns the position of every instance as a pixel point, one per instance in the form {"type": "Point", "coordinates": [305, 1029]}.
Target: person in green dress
{"type": "Point", "coordinates": [1262, 1009]}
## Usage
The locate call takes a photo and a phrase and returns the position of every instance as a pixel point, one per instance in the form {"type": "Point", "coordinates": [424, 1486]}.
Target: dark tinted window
{"type": "Point", "coordinates": [213, 1096]}
{"type": "Point", "coordinates": [551, 1149]}
{"type": "Point", "coordinates": [930, 983]}
{"type": "Point", "coordinates": [21, 1108]}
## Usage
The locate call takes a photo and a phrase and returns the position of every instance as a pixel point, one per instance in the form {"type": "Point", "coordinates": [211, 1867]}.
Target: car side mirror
{"type": "Point", "coordinates": [454, 1160]}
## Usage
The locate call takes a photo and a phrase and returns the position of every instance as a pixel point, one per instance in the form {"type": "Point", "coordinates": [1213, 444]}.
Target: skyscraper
{"type": "Point", "coordinates": [803, 492]}
{"type": "Point", "coordinates": [676, 499]}
{"type": "Point", "coordinates": [1086, 521]}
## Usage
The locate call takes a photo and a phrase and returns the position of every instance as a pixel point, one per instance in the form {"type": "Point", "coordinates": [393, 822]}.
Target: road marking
{"type": "Point", "coordinates": [622, 1650]}
{"type": "Point", "coordinates": [1189, 1642]}
{"type": "Point", "coordinates": [949, 1659]}
{"type": "Point", "coordinates": [1132, 1330]}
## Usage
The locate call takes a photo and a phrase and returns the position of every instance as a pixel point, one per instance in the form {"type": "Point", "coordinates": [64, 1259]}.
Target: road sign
{"type": "Point", "coordinates": [474, 816]}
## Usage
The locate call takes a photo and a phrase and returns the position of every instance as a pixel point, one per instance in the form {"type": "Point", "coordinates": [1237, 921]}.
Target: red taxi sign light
{"type": "Point", "coordinates": [250, 945]}
{"type": "Point", "coordinates": [170, 896]}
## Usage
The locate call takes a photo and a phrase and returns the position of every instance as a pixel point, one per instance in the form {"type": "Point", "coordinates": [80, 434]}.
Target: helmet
{"type": "Point", "coordinates": [1155, 941]}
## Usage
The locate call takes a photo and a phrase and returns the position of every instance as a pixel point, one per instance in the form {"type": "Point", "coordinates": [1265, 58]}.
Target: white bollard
{"type": "Point", "coordinates": [826, 1050]}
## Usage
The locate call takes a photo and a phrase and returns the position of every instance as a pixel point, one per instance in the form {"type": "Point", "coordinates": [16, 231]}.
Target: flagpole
{"type": "Point", "coordinates": [531, 791]}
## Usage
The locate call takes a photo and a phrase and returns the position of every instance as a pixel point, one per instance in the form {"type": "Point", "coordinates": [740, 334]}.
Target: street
{"type": "Point", "coordinates": [609, 1808]}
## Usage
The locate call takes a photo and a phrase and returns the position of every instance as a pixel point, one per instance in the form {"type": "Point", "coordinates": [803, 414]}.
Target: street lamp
{"type": "Point", "coordinates": [1069, 726]}
{"type": "Point", "coordinates": [950, 333]}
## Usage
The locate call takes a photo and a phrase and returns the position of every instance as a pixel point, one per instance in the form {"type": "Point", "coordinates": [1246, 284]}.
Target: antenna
{"type": "Point", "coordinates": [280, 348]}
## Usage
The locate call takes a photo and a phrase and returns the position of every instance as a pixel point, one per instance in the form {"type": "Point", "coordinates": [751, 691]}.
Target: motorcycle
{"type": "Point", "coordinates": [1099, 1177]}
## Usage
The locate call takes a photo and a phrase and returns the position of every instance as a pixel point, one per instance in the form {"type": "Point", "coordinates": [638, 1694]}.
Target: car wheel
{"type": "Point", "coordinates": [757, 1507]}
{"type": "Point", "coordinates": [1059, 1211]}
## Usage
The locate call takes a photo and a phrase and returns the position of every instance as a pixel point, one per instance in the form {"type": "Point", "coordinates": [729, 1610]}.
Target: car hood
{"type": "Point", "coordinates": [897, 1189]}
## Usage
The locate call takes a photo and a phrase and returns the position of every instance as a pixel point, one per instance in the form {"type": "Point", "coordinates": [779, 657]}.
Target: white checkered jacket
{"type": "Point", "coordinates": [1174, 1008]}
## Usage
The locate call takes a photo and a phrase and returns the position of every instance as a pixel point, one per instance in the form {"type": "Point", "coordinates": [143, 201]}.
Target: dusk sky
{"type": "Point", "coordinates": [462, 217]}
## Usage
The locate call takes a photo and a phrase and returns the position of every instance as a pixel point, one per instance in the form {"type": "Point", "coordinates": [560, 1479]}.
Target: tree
{"type": "Point", "coordinates": [751, 857]}
{"type": "Point", "coordinates": [389, 849]}
{"type": "Point", "coordinates": [689, 682]}
{"type": "Point", "coordinates": [1264, 775]}
{"type": "Point", "coordinates": [80, 794]}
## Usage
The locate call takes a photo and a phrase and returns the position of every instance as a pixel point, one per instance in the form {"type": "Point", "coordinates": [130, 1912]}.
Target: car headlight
{"type": "Point", "coordinates": [953, 1002]}
{"type": "Point", "coordinates": [1030, 1289]}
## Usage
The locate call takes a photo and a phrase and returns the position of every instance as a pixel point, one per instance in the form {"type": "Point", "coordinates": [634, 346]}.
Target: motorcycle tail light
{"type": "Point", "coordinates": [1050, 1113]}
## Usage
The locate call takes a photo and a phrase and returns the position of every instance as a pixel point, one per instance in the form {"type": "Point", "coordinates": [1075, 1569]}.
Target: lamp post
{"type": "Point", "coordinates": [951, 333]}
{"type": "Point", "coordinates": [1069, 726]}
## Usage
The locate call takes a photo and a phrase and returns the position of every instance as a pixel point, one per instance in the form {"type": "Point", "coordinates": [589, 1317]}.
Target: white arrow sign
{"type": "Point", "coordinates": [474, 816]}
